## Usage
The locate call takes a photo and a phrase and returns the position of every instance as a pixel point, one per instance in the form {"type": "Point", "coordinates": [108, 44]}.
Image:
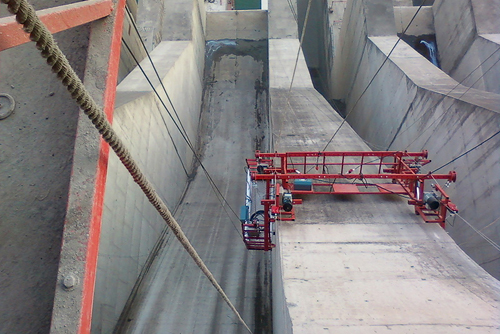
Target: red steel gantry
{"type": "Point", "coordinates": [339, 173]}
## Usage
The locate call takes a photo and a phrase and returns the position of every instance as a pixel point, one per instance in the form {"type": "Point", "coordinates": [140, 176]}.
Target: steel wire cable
{"type": "Point", "coordinates": [26, 16]}
{"type": "Point", "coordinates": [292, 9]}
{"type": "Point", "coordinates": [301, 41]}
{"type": "Point", "coordinates": [458, 84]}
{"type": "Point", "coordinates": [448, 93]}
{"type": "Point", "coordinates": [212, 183]}
{"type": "Point", "coordinates": [467, 152]}
{"type": "Point", "coordinates": [156, 72]}
{"type": "Point", "coordinates": [170, 136]}
{"type": "Point", "coordinates": [484, 236]}
{"type": "Point", "coordinates": [374, 76]}
{"type": "Point", "coordinates": [183, 134]}
{"type": "Point", "coordinates": [214, 186]}
{"type": "Point", "coordinates": [449, 108]}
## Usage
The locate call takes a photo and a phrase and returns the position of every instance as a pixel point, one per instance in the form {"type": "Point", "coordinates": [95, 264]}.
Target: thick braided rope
{"type": "Point", "coordinates": [26, 15]}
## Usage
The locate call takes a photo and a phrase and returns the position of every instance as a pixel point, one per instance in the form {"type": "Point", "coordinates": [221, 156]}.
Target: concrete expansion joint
{"type": "Point", "coordinates": [70, 282]}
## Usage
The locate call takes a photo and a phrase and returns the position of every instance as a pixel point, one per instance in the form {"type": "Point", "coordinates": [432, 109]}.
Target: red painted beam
{"type": "Point", "coordinates": [55, 19]}
{"type": "Point", "coordinates": [100, 185]}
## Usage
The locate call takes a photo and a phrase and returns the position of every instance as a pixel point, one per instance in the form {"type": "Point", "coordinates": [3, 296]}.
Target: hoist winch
{"type": "Point", "coordinates": [275, 180]}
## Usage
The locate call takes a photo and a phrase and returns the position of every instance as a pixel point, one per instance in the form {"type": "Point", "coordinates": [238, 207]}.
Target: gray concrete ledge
{"type": "Point", "coordinates": [164, 56]}
{"type": "Point", "coordinates": [425, 75]}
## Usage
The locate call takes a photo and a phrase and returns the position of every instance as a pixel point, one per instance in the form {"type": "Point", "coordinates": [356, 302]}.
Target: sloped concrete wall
{"type": "Point", "coordinates": [413, 105]}
{"type": "Point", "coordinates": [468, 38]}
{"type": "Point", "coordinates": [132, 231]}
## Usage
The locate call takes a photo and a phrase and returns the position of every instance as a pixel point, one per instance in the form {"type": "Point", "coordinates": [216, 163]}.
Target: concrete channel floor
{"type": "Point", "coordinates": [364, 264]}
{"type": "Point", "coordinates": [176, 297]}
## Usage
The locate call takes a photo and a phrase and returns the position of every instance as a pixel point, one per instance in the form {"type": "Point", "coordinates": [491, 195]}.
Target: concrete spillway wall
{"type": "Point", "coordinates": [175, 296]}
{"type": "Point", "coordinates": [468, 38]}
{"type": "Point", "coordinates": [413, 105]}
{"type": "Point", "coordinates": [132, 231]}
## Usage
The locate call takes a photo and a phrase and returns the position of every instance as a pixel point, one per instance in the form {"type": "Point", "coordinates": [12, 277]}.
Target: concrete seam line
{"type": "Point", "coordinates": [26, 15]}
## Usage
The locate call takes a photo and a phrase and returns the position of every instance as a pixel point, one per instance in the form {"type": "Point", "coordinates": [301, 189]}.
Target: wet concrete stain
{"type": "Point", "coordinates": [259, 51]}
{"type": "Point", "coordinates": [263, 297]}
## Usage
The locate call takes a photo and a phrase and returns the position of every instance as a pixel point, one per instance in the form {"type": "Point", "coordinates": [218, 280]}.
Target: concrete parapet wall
{"type": "Point", "coordinates": [282, 57]}
{"type": "Point", "coordinates": [37, 143]}
{"type": "Point", "coordinates": [132, 230]}
{"type": "Point", "coordinates": [243, 24]}
{"type": "Point", "coordinates": [413, 105]}
{"type": "Point", "coordinates": [282, 322]}
{"type": "Point", "coordinates": [467, 34]}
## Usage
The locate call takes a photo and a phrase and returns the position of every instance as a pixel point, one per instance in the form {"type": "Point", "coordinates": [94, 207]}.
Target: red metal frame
{"type": "Point", "coordinates": [55, 19]}
{"type": "Point", "coordinates": [337, 173]}
{"type": "Point", "coordinates": [101, 172]}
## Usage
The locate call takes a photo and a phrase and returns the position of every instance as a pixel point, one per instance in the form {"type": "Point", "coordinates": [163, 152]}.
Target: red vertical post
{"type": "Point", "coordinates": [73, 308]}
{"type": "Point", "coordinates": [342, 166]}
{"type": "Point", "coordinates": [95, 232]}
{"type": "Point", "coordinates": [266, 227]}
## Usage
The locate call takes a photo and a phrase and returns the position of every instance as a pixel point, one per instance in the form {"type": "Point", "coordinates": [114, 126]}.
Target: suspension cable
{"type": "Point", "coordinates": [26, 15]}
{"type": "Point", "coordinates": [445, 96]}
{"type": "Point", "coordinates": [449, 108]}
{"type": "Point", "coordinates": [466, 152]}
{"type": "Point", "coordinates": [481, 234]}
{"type": "Point", "coordinates": [292, 10]}
{"type": "Point", "coordinates": [301, 41]}
{"type": "Point", "coordinates": [375, 75]}
{"type": "Point", "coordinates": [218, 194]}
{"type": "Point", "coordinates": [155, 70]}
{"type": "Point", "coordinates": [223, 201]}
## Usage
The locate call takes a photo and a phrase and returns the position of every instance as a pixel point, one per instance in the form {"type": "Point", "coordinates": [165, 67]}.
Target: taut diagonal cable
{"type": "Point", "coordinates": [26, 15]}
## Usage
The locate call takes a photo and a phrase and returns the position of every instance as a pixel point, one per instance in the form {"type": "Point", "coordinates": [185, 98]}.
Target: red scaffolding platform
{"type": "Point", "coordinates": [363, 173]}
